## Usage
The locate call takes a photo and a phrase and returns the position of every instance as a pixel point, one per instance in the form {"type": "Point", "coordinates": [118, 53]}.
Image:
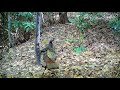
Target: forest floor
{"type": "Point", "coordinates": [101, 59]}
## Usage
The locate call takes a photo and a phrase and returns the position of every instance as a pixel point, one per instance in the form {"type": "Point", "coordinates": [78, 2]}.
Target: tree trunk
{"type": "Point", "coordinates": [37, 38]}
{"type": "Point", "coordinates": [63, 17]}
{"type": "Point", "coordinates": [9, 32]}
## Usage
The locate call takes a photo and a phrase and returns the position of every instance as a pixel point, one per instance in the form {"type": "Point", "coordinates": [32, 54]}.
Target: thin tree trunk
{"type": "Point", "coordinates": [9, 32]}
{"type": "Point", "coordinates": [37, 38]}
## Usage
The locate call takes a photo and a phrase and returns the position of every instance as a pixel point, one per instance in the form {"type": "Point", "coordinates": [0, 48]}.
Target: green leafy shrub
{"type": "Point", "coordinates": [23, 20]}
{"type": "Point", "coordinates": [114, 23]}
{"type": "Point", "coordinates": [82, 24]}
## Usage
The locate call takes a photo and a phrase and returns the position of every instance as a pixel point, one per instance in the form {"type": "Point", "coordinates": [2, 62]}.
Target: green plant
{"type": "Point", "coordinates": [23, 20]}
{"type": "Point", "coordinates": [79, 49]}
{"type": "Point", "coordinates": [82, 24]}
{"type": "Point", "coordinates": [114, 23]}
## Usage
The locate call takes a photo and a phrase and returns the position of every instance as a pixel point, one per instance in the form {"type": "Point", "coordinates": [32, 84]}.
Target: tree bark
{"type": "Point", "coordinates": [37, 38]}
{"type": "Point", "coordinates": [9, 32]}
{"type": "Point", "coordinates": [63, 17]}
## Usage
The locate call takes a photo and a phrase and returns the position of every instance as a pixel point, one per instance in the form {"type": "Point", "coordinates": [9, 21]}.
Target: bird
{"type": "Point", "coordinates": [48, 55]}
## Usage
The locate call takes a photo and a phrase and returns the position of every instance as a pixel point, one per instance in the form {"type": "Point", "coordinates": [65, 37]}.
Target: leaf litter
{"type": "Point", "coordinates": [100, 60]}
